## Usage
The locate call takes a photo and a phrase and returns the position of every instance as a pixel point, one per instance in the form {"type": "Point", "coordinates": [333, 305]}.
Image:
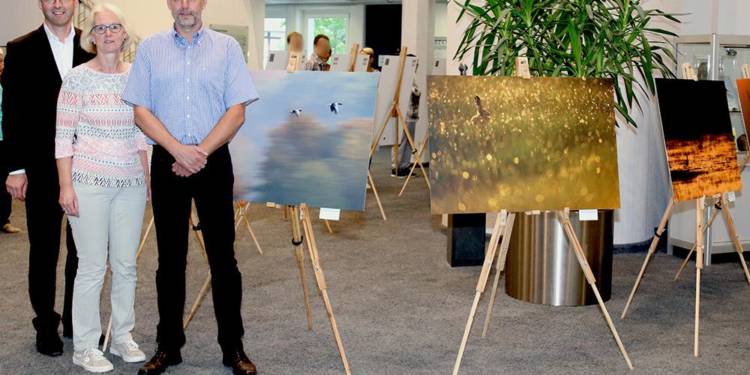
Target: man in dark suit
{"type": "Point", "coordinates": [35, 65]}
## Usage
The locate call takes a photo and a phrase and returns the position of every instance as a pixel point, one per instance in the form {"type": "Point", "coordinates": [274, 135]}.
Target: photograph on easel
{"type": "Point", "coordinates": [306, 140]}
{"type": "Point", "coordinates": [521, 144]}
{"type": "Point", "coordinates": [698, 137]}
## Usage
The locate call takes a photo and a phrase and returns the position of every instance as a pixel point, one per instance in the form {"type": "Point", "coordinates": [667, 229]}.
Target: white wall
{"type": "Point", "coordinates": [418, 35]}
{"type": "Point", "coordinates": [147, 17]}
{"type": "Point", "coordinates": [18, 18]}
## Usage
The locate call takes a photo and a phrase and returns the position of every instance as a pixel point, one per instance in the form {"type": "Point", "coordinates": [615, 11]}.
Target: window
{"type": "Point", "coordinates": [274, 36]}
{"type": "Point", "coordinates": [336, 28]}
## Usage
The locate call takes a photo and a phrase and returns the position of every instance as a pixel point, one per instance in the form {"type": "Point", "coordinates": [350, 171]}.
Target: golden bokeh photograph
{"type": "Point", "coordinates": [522, 144]}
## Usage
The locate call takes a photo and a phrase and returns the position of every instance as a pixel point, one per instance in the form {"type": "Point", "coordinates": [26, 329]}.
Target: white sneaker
{"type": "Point", "coordinates": [128, 351]}
{"type": "Point", "coordinates": [92, 360]}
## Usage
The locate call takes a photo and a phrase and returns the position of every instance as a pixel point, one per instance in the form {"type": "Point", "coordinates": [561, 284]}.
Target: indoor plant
{"type": "Point", "coordinates": [613, 39]}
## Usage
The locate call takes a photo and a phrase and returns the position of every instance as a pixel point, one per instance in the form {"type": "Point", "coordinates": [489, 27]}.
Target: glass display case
{"type": "Point", "coordinates": [719, 58]}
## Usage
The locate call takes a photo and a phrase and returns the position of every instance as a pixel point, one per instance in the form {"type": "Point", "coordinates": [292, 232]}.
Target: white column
{"type": "Point", "coordinates": [256, 11]}
{"type": "Point", "coordinates": [418, 35]}
{"type": "Point", "coordinates": [455, 35]}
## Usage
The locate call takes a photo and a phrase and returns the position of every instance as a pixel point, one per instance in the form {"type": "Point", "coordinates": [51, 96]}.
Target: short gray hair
{"type": "Point", "coordinates": [87, 40]}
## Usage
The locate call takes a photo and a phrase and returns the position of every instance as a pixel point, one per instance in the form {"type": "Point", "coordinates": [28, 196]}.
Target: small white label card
{"type": "Point", "coordinates": [731, 196]}
{"type": "Point", "coordinates": [330, 214]}
{"type": "Point", "coordinates": [588, 215]}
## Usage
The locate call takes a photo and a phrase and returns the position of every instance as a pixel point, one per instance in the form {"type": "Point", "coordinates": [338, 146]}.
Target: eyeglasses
{"type": "Point", "coordinates": [115, 28]}
{"type": "Point", "coordinates": [50, 2]}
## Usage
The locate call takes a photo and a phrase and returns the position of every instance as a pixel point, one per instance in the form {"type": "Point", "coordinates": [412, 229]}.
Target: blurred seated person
{"type": "Point", "coordinates": [294, 42]}
{"type": "Point", "coordinates": [370, 64]}
{"type": "Point", "coordinates": [321, 53]}
{"type": "Point", "coordinates": [326, 58]}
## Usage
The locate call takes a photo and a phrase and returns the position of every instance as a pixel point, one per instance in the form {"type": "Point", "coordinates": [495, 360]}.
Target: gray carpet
{"type": "Point", "coordinates": [401, 309]}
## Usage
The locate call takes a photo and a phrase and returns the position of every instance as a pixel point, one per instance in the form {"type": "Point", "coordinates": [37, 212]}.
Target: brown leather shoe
{"type": "Point", "coordinates": [160, 362]}
{"type": "Point", "coordinates": [240, 364]}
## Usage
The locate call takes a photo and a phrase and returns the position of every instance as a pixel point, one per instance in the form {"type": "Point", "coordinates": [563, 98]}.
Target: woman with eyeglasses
{"type": "Point", "coordinates": [104, 185]}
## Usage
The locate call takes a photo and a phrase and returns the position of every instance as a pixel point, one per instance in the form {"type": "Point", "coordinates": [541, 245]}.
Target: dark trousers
{"type": "Point", "coordinates": [44, 221]}
{"type": "Point", "coordinates": [211, 189]}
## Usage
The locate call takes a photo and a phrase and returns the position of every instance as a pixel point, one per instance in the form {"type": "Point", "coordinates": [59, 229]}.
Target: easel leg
{"type": "Point", "coordinates": [714, 215]}
{"type": "Point", "coordinates": [108, 335]}
{"type": "Point", "coordinates": [195, 225]}
{"type": "Point", "coordinates": [328, 226]}
{"type": "Point", "coordinates": [377, 196]}
{"type": "Point", "coordinates": [489, 257]}
{"type": "Point", "coordinates": [581, 256]}
{"type": "Point", "coordinates": [729, 220]}
{"type": "Point", "coordinates": [376, 140]}
{"type": "Point", "coordinates": [699, 227]}
{"type": "Point", "coordinates": [250, 228]}
{"type": "Point", "coordinates": [145, 236]}
{"type": "Point", "coordinates": [198, 301]}
{"type": "Point", "coordinates": [300, 256]}
{"type": "Point", "coordinates": [414, 149]}
{"type": "Point", "coordinates": [418, 161]}
{"type": "Point", "coordinates": [322, 286]}
{"type": "Point", "coordinates": [649, 254]}
{"type": "Point", "coordinates": [499, 267]}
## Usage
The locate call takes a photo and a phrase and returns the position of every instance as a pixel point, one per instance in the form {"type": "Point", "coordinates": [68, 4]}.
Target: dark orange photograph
{"type": "Point", "coordinates": [700, 145]}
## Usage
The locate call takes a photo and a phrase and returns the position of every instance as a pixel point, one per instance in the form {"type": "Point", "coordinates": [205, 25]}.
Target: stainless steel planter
{"type": "Point", "coordinates": [542, 269]}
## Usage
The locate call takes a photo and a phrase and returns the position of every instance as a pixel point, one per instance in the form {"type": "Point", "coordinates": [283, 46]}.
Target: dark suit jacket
{"type": "Point", "coordinates": [31, 84]}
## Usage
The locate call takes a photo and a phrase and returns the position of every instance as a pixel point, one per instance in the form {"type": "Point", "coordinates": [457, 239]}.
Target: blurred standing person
{"type": "Point", "coordinates": [295, 43]}
{"type": "Point", "coordinates": [35, 66]}
{"type": "Point", "coordinates": [103, 169]}
{"type": "Point", "coordinates": [5, 198]}
{"type": "Point", "coordinates": [404, 148]}
{"type": "Point", "coordinates": [189, 87]}
{"type": "Point", "coordinates": [371, 63]}
{"type": "Point", "coordinates": [412, 117]}
{"type": "Point", "coordinates": [318, 59]}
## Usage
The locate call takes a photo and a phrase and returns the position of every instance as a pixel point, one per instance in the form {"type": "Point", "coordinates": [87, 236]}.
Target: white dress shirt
{"type": "Point", "coordinates": [63, 52]}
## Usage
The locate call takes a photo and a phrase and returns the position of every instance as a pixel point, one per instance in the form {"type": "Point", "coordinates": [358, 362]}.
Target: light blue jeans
{"type": "Point", "coordinates": [109, 223]}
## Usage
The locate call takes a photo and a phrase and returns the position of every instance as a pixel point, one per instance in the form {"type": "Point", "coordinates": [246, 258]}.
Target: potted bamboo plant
{"type": "Point", "coordinates": [614, 39]}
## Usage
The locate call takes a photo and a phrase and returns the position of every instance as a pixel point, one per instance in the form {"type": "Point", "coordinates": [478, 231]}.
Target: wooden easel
{"type": "Point", "coordinates": [394, 111]}
{"type": "Point", "coordinates": [504, 225]}
{"type": "Point", "coordinates": [241, 215]}
{"type": "Point", "coordinates": [698, 248]}
{"type": "Point", "coordinates": [300, 215]}
{"type": "Point", "coordinates": [353, 59]}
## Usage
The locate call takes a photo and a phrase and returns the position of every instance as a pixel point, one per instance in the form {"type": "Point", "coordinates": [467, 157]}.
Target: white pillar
{"type": "Point", "coordinates": [418, 35]}
{"type": "Point", "coordinates": [256, 11]}
{"type": "Point", "coordinates": [455, 35]}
